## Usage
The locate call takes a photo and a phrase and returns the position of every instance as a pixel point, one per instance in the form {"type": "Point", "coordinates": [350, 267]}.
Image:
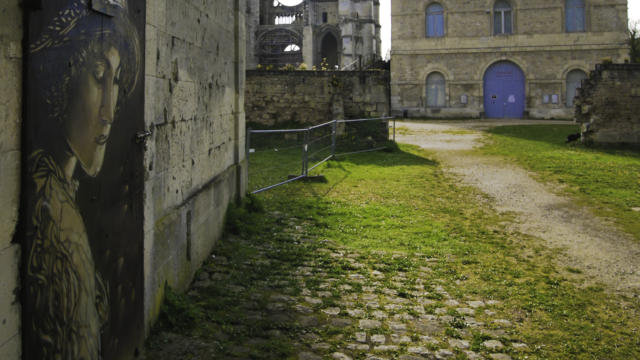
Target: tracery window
{"type": "Point", "coordinates": [435, 20]}
{"type": "Point", "coordinates": [502, 18]}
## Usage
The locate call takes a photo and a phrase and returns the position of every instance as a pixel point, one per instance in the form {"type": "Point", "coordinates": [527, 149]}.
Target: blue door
{"type": "Point", "coordinates": [504, 91]}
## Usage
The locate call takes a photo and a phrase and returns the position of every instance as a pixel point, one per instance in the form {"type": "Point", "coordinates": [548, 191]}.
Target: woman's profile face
{"type": "Point", "coordinates": [91, 109]}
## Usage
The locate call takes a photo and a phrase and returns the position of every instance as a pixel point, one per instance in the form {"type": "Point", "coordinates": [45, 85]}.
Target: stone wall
{"type": "Point", "coordinates": [194, 108]}
{"type": "Point", "coordinates": [275, 98]}
{"type": "Point", "coordinates": [608, 105]}
{"type": "Point", "coordinates": [539, 45]}
{"type": "Point", "coordinates": [10, 122]}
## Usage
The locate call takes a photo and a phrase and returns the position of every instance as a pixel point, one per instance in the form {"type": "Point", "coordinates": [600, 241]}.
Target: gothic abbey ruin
{"type": "Point", "coordinates": [344, 32]}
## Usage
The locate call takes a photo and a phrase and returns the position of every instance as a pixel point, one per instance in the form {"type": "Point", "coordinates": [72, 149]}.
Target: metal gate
{"type": "Point", "coordinates": [504, 91]}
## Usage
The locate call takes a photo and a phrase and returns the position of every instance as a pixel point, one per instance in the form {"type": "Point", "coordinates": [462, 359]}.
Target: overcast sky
{"type": "Point", "coordinates": [385, 20]}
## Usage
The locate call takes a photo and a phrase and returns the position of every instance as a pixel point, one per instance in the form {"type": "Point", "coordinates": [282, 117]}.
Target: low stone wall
{"type": "Point", "coordinates": [608, 105]}
{"type": "Point", "coordinates": [275, 98]}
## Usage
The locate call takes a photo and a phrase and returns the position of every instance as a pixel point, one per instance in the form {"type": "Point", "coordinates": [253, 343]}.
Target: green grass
{"type": "Point", "coordinates": [607, 181]}
{"type": "Point", "coordinates": [403, 203]}
{"type": "Point", "coordinates": [391, 209]}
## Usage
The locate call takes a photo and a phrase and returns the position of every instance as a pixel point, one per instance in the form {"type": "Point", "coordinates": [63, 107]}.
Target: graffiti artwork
{"type": "Point", "coordinates": [82, 262]}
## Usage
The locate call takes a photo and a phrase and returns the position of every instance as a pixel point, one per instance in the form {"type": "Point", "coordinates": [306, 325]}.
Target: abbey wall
{"type": "Point", "coordinates": [305, 98]}
{"type": "Point", "coordinates": [608, 105]}
{"type": "Point", "coordinates": [455, 58]}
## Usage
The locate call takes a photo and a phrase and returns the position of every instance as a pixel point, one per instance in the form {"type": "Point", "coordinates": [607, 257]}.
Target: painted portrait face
{"type": "Point", "coordinates": [92, 109]}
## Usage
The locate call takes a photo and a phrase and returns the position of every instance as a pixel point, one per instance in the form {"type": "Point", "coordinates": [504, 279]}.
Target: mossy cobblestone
{"type": "Point", "coordinates": [296, 297]}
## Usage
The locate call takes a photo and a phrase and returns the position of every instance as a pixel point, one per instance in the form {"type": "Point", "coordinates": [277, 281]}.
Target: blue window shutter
{"type": "Point", "coordinates": [580, 17]}
{"type": "Point", "coordinates": [497, 23]}
{"type": "Point", "coordinates": [435, 20]}
{"type": "Point", "coordinates": [432, 25]}
{"type": "Point", "coordinates": [575, 17]}
{"type": "Point", "coordinates": [439, 25]}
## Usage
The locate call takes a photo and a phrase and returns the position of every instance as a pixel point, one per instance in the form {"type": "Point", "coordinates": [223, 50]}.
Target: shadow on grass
{"type": "Point", "coordinates": [267, 169]}
{"type": "Point", "coordinates": [550, 134]}
{"type": "Point", "coordinates": [556, 135]}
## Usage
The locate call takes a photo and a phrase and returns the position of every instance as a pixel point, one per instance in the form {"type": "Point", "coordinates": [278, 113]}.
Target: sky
{"type": "Point", "coordinates": [385, 20]}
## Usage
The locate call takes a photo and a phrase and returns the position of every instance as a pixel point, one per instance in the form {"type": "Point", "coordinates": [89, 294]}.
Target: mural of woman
{"type": "Point", "coordinates": [84, 63]}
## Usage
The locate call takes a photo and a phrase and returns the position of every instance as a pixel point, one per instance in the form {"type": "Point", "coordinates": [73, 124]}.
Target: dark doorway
{"type": "Point", "coordinates": [329, 50]}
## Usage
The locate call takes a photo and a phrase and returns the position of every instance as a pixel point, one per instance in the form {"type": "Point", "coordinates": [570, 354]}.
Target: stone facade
{"type": "Point", "coordinates": [11, 33]}
{"type": "Point", "coordinates": [193, 77]}
{"type": "Point", "coordinates": [194, 108]}
{"type": "Point", "coordinates": [608, 105]}
{"type": "Point", "coordinates": [344, 32]}
{"type": "Point", "coordinates": [536, 38]}
{"type": "Point", "coordinates": [276, 98]}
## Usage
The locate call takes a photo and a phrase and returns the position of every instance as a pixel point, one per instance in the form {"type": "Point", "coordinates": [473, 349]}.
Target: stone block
{"type": "Point", "coordinates": [9, 195]}
{"type": "Point", "coordinates": [12, 349]}
{"type": "Point", "coordinates": [9, 308]}
{"type": "Point", "coordinates": [156, 13]}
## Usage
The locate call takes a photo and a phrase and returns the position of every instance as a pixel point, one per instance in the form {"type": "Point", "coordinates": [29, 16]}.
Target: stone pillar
{"type": "Point", "coordinates": [308, 46]}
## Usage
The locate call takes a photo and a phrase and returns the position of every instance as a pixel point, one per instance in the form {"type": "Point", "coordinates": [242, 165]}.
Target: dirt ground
{"type": "Point", "coordinates": [589, 243]}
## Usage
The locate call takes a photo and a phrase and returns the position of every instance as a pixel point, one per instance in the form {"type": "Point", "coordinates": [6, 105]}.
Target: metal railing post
{"type": "Point", "coordinates": [305, 153]}
{"type": "Point", "coordinates": [394, 129]}
{"type": "Point", "coordinates": [334, 134]}
{"type": "Point", "coordinates": [248, 148]}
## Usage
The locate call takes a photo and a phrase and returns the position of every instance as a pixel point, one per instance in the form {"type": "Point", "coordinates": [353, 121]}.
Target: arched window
{"type": "Point", "coordinates": [435, 20]}
{"type": "Point", "coordinates": [574, 10]}
{"type": "Point", "coordinates": [435, 90]}
{"type": "Point", "coordinates": [502, 18]}
{"type": "Point", "coordinates": [574, 81]}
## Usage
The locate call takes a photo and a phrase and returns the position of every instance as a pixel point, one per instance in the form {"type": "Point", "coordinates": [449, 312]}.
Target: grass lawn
{"type": "Point", "coordinates": [391, 207]}
{"type": "Point", "coordinates": [402, 202]}
{"type": "Point", "coordinates": [607, 181]}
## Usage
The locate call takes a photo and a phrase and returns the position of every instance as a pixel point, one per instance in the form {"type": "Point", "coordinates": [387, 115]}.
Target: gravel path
{"type": "Point", "coordinates": [592, 245]}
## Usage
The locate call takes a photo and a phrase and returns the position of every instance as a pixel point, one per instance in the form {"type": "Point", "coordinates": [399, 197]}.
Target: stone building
{"type": "Point", "coordinates": [122, 145]}
{"type": "Point", "coordinates": [499, 58]}
{"type": "Point", "coordinates": [281, 32]}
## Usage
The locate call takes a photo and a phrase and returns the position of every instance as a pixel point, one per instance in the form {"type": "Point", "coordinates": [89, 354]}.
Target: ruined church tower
{"type": "Point", "coordinates": [344, 32]}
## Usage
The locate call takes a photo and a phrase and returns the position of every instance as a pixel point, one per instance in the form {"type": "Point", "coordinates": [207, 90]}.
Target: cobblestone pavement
{"type": "Point", "coordinates": [301, 298]}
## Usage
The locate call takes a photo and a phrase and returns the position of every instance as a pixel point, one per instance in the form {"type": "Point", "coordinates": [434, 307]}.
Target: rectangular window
{"type": "Point", "coordinates": [497, 22]}
{"type": "Point", "coordinates": [507, 22]}
{"type": "Point", "coordinates": [502, 22]}
{"type": "Point", "coordinates": [575, 16]}
{"type": "Point", "coordinates": [325, 17]}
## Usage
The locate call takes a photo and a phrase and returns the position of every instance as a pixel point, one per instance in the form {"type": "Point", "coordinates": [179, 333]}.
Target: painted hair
{"type": "Point", "coordinates": [74, 38]}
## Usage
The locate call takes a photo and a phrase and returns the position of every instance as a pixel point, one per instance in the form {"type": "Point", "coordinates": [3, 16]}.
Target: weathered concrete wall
{"type": "Point", "coordinates": [307, 97]}
{"type": "Point", "coordinates": [194, 107]}
{"type": "Point", "coordinates": [10, 123]}
{"type": "Point", "coordinates": [608, 105]}
{"type": "Point", "coordinates": [539, 45]}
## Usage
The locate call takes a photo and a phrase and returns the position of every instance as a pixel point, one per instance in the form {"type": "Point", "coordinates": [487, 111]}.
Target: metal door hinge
{"type": "Point", "coordinates": [141, 136]}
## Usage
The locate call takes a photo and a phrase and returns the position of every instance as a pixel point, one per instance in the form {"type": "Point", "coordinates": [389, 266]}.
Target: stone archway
{"type": "Point", "coordinates": [329, 49]}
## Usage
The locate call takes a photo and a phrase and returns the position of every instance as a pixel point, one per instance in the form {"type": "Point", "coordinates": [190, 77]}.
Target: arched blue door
{"type": "Point", "coordinates": [504, 91]}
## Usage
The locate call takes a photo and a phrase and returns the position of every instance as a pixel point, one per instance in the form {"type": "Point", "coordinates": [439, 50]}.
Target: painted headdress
{"type": "Point", "coordinates": [81, 22]}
